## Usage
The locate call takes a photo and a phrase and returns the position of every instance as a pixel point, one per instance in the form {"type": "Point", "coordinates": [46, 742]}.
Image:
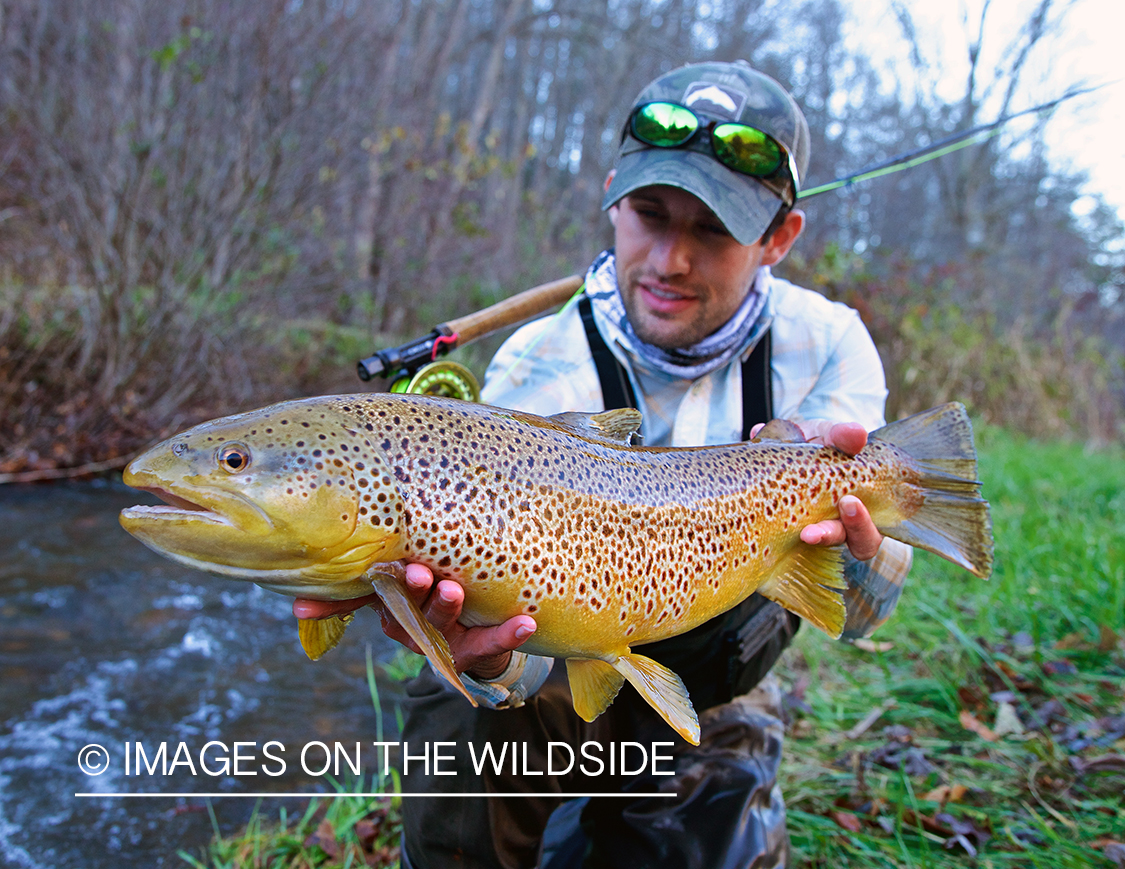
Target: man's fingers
{"type": "Point", "coordinates": [444, 606]}
{"type": "Point", "coordinates": [863, 538]}
{"type": "Point", "coordinates": [854, 527]}
{"type": "Point", "coordinates": [830, 532]}
{"type": "Point", "coordinates": [485, 651]}
{"type": "Point", "coordinates": [304, 608]}
{"type": "Point", "coordinates": [419, 582]}
{"type": "Point", "coordinates": [848, 437]}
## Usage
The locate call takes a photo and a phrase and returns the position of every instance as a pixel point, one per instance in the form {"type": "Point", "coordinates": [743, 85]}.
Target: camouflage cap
{"type": "Point", "coordinates": [718, 92]}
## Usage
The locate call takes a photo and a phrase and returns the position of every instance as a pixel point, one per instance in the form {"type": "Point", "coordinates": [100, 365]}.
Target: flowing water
{"type": "Point", "coordinates": [105, 643]}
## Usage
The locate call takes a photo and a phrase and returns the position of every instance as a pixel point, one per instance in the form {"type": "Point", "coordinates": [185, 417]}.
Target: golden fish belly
{"type": "Point", "coordinates": [599, 575]}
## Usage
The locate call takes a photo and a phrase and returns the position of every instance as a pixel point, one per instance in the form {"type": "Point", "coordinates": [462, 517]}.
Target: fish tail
{"type": "Point", "coordinates": [953, 519]}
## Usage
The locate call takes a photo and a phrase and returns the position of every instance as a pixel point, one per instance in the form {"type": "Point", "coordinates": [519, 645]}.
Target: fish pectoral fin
{"type": "Point", "coordinates": [319, 636]}
{"type": "Point", "coordinates": [429, 639]}
{"type": "Point", "coordinates": [664, 691]}
{"type": "Point", "coordinates": [593, 685]}
{"type": "Point", "coordinates": [808, 582]}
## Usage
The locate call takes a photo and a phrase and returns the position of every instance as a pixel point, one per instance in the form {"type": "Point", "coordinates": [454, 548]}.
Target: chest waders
{"type": "Point", "coordinates": [730, 654]}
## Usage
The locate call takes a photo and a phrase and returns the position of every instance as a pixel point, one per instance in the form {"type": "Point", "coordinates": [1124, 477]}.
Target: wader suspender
{"type": "Point", "coordinates": [755, 632]}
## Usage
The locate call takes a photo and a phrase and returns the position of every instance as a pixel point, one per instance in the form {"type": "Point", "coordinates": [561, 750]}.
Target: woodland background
{"type": "Point", "coordinates": [207, 205]}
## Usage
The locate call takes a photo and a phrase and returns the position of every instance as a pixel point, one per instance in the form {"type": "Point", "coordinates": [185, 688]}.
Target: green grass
{"type": "Point", "coordinates": [1045, 636]}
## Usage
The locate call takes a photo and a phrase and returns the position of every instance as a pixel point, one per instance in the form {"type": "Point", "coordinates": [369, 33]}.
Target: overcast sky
{"type": "Point", "coordinates": [1086, 47]}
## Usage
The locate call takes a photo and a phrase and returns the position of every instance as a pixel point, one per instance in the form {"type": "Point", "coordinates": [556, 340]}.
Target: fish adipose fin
{"type": "Point", "coordinates": [953, 520]}
{"type": "Point", "coordinates": [663, 690]}
{"type": "Point", "coordinates": [321, 635]}
{"type": "Point", "coordinates": [781, 430]}
{"type": "Point", "coordinates": [428, 638]}
{"type": "Point", "coordinates": [593, 685]}
{"type": "Point", "coordinates": [808, 582]}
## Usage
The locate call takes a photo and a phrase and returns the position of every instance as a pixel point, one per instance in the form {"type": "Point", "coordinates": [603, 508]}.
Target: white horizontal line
{"type": "Point", "coordinates": [339, 796]}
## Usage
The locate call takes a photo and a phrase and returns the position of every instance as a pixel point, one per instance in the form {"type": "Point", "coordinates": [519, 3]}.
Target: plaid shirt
{"type": "Point", "coordinates": [823, 366]}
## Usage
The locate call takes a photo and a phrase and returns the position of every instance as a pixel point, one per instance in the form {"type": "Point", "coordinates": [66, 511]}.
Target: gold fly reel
{"type": "Point", "coordinates": [445, 379]}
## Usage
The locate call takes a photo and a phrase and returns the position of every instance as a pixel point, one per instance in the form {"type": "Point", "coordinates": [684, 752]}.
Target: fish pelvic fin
{"type": "Point", "coordinates": [429, 639]}
{"type": "Point", "coordinates": [319, 636]}
{"type": "Point", "coordinates": [808, 582]}
{"type": "Point", "coordinates": [953, 520]}
{"type": "Point", "coordinates": [593, 685]}
{"type": "Point", "coordinates": [664, 691]}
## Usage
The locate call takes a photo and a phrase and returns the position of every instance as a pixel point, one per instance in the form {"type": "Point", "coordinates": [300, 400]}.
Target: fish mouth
{"type": "Point", "coordinates": [175, 507]}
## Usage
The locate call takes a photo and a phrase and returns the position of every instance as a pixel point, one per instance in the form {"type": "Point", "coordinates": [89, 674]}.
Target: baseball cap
{"type": "Point", "coordinates": [716, 92]}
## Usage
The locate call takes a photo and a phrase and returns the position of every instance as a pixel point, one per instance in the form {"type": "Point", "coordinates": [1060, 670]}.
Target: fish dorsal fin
{"type": "Point", "coordinates": [781, 430]}
{"type": "Point", "coordinates": [621, 426]}
{"type": "Point", "coordinates": [593, 685]}
{"type": "Point", "coordinates": [664, 691]}
{"type": "Point", "coordinates": [319, 636]}
{"type": "Point", "coordinates": [808, 582]}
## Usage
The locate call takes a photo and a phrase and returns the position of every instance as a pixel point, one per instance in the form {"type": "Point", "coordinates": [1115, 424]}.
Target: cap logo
{"type": "Point", "coordinates": [714, 99]}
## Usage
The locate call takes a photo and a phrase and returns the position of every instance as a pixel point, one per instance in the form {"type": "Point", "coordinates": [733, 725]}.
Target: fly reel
{"type": "Point", "coordinates": [445, 379]}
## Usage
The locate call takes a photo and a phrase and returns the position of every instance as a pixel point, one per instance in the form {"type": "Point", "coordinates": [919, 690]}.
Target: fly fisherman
{"type": "Point", "coordinates": [683, 320]}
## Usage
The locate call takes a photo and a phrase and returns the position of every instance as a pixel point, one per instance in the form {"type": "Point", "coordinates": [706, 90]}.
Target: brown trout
{"type": "Point", "coordinates": [605, 544]}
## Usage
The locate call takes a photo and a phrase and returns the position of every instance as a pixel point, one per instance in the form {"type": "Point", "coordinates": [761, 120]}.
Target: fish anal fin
{"type": "Point", "coordinates": [429, 639]}
{"type": "Point", "coordinates": [664, 691]}
{"type": "Point", "coordinates": [808, 582]}
{"type": "Point", "coordinates": [319, 636]}
{"type": "Point", "coordinates": [593, 685]}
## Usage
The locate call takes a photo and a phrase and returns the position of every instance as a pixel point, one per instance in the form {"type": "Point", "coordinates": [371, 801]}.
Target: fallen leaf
{"type": "Point", "coordinates": [1115, 852]}
{"type": "Point", "coordinates": [325, 837]}
{"type": "Point", "coordinates": [1059, 668]}
{"type": "Point", "coordinates": [946, 794]}
{"type": "Point", "coordinates": [1075, 641]}
{"type": "Point", "coordinates": [1108, 639]}
{"type": "Point", "coordinates": [1007, 720]}
{"type": "Point", "coordinates": [847, 820]}
{"type": "Point", "coordinates": [970, 723]}
{"type": "Point", "coordinates": [965, 833]}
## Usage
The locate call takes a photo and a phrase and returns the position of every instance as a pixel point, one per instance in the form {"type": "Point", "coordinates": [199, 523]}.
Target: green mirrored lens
{"type": "Point", "coordinates": [746, 150]}
{"type": "Point", "coordinates": [664, 125]}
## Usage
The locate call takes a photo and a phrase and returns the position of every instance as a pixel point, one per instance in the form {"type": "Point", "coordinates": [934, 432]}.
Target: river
{"type": "Point", "coordinates": [104, 643]}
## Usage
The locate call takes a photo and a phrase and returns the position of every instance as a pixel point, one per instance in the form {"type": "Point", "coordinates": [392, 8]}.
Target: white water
{"type": "Point", "coordinates": [103, 642]}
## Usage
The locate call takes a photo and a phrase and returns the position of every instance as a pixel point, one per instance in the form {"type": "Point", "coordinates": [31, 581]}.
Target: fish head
{"type": "Point", "coordinates": [293, 496]}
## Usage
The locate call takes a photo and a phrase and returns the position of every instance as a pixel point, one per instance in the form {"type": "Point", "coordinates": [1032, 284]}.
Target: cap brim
{"type": "Point", "coordinates": [745, 207]}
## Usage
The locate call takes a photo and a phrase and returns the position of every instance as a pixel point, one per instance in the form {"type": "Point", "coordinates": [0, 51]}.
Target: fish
{"type": "Point", "coordinates": [606, 543]}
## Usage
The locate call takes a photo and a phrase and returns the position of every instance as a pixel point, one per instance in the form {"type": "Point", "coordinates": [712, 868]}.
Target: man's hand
{"type": "Point", "coordinates": [854, 526]}
{"type": "Point", "coordinates": [483, 652]}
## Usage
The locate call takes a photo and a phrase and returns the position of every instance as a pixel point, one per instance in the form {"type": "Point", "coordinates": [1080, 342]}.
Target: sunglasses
{"type": "Point", "coordinates": [737, 146]}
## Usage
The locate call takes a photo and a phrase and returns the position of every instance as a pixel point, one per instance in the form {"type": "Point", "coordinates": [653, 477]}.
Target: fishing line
{"type": "Point", "coordinates": [947, 145]}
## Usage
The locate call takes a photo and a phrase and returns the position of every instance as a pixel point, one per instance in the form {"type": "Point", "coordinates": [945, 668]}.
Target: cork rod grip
{"type": "Point", "coordinates": [510, 312]}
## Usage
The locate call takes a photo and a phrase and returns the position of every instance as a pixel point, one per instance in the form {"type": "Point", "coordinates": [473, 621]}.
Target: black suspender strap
{"type": "Point", "coordinates": [729, 654]}
{"type": "Point", "coordinates": [757, 387]}
{"type": "Point", "coordinates": [617, 391]}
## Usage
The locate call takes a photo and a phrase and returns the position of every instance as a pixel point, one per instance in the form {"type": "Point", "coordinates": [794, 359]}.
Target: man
{"type": "Point", "coordinates": [684, 320]}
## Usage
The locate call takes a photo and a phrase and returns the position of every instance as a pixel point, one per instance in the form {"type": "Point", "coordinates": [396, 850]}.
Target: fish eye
{"type": "Point", "coordinates": [234, 458]}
